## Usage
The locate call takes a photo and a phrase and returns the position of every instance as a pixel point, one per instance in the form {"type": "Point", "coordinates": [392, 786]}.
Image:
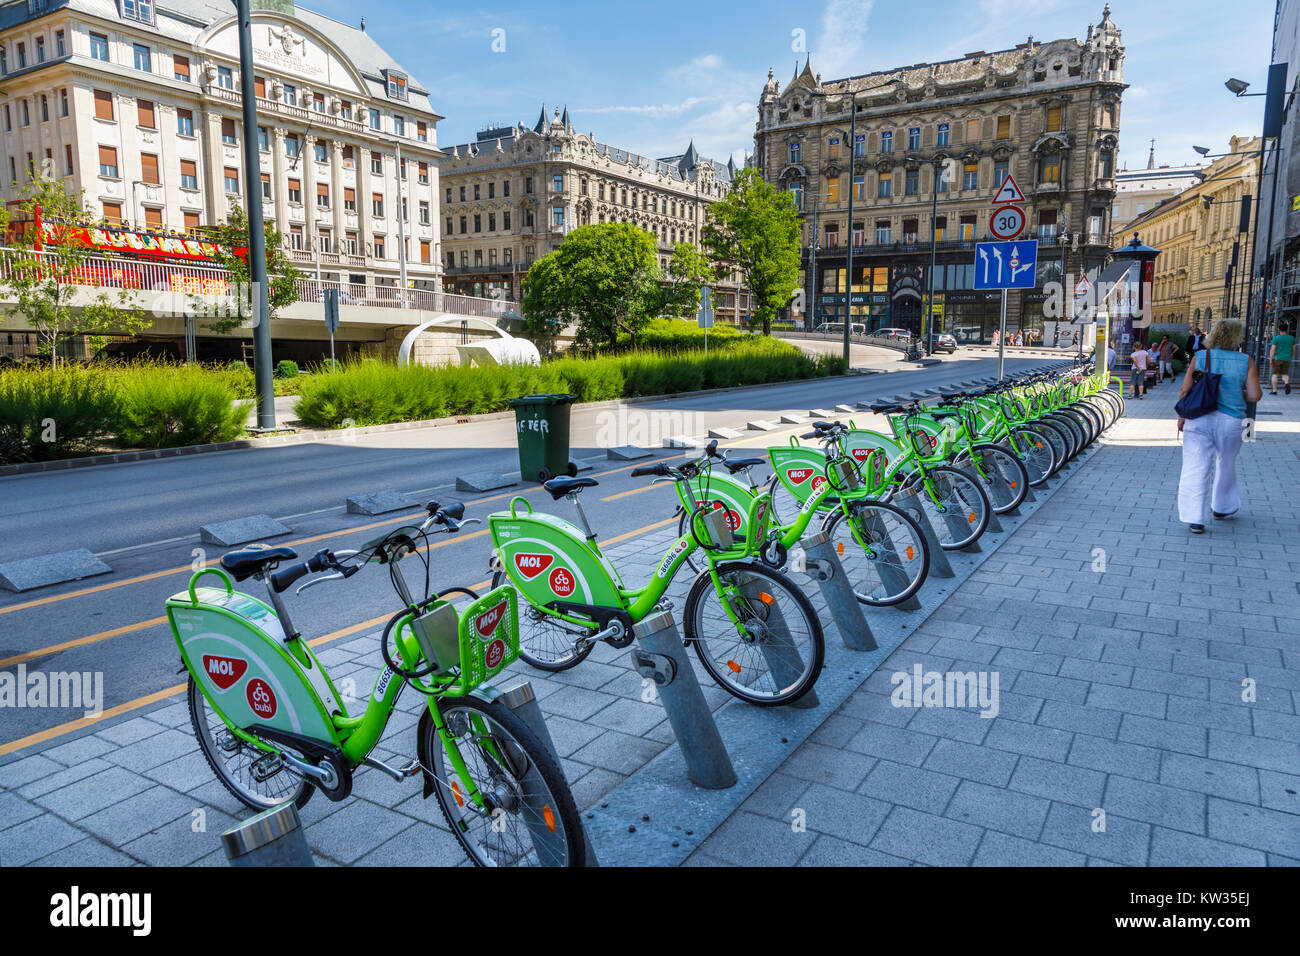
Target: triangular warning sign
{"type": "Point", "coordinates": [1009, 192]}
{"type": "Point", "coordinates": [1082, 288]}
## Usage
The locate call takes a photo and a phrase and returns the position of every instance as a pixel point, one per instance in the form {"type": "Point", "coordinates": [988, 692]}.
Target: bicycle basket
{"type": "Point", "coordinates": [843, 474]}
{"type": "Point", "coordinates": [489, 638]}
{"type": "Point", "coordinates": [717, 530]}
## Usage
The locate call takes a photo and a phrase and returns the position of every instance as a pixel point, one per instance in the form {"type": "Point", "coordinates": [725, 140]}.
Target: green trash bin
{"type": "Point", "coordinates": [542, 431]}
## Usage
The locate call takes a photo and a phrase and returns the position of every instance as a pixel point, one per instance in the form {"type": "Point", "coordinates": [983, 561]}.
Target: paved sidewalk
{"type": "Point", "coordinates": [1149, 684]}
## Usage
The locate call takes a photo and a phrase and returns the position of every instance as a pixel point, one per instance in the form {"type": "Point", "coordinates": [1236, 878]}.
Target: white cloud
{"type": "Point", "coordinates": [844, 38]}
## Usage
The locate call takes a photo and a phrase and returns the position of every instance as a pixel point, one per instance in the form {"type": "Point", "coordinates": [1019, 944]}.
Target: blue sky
{"type": "Point", "coordinates": [697, 73]}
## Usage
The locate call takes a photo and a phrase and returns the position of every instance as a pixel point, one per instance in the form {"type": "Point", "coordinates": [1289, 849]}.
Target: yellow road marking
{"type": "Point", "coordinates": [635, 491]}
{"type": "Point", "coordinates": [80, 642]}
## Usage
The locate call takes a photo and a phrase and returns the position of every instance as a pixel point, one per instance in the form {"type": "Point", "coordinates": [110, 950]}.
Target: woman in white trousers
{"type": "Point", "coordinates": [1211, 442]}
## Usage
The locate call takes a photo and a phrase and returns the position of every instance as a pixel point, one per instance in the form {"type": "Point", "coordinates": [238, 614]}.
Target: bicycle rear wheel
{"type": "Point", "coordinates": [530, 818]}
{"type": "Point", "coordinates": [956, 504]}
{"type": "Point", "coordinates": [778, 657]}
{"type": "Point", "coordinates": [258, 779]}
{"type": "Point", "coordinates": [1035, 452]}
{"type": "Point", "coordinates": [1008, 494]}
{"type": "Point", "coordinates": [882, 550]}
{"type": "Point", "coordinates": [545, 642]}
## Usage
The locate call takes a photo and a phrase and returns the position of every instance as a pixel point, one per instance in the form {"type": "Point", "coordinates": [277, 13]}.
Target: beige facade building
{"type": "Point", "coordinates": [137, 105]}
{"type": "Point", "coordinates": [1138, 191]}
{"type": "Point", "coordinates": [1198, 233]}
{"type": "Point", "coordinates": [1047, 113]}
{"type": "Point", "coordinates": [511, 196]}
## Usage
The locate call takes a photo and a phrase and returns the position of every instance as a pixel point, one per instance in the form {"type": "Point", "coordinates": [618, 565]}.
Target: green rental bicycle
{"type": "Point", "coordinates": [753, 629]}
{"type": "Point", "coordinates": [882, 549]}
{"type": "Point", "coordinates": [273, 726]}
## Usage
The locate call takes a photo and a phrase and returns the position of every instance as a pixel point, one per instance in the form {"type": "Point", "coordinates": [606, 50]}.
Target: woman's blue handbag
{"type": "Point", "coordinates": [1203, 397]}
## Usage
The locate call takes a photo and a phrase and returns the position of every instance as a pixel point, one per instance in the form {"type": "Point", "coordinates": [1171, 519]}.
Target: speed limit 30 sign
{"type": "Point", "coordinates": [1007, 222]}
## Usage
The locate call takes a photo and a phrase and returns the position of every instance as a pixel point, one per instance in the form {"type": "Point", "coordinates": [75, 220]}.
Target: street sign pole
{"type": "Point", "coordinates": [1002, 337]}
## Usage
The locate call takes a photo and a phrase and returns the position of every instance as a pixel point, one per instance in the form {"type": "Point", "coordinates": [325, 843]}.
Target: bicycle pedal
{"type": "Point", "coordinates": [266, 767]}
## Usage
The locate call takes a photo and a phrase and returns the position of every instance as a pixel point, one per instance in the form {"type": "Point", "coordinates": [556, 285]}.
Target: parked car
{"type": "Point", "coordinates": [945, 343]}
{"type": "Point", "coordinates": [828, 328]}
{"type": "Point", "coordinates": [903, 335]}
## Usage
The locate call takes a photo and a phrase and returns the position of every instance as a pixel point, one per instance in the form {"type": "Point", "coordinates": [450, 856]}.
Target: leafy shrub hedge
{"type": "Point", "coordinates": [369, 392]}
{"type": "Point", "coordinates": [74, 410]}
{"type": "Point", "coordinates": [286, 368]}
{"type": "Point", "coordinates": [678, 335]}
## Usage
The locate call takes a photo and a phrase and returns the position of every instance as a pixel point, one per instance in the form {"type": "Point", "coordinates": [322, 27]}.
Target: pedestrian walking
{"type": "Point", "coordinates": [1212, 442]}
{"type": "Point", "coordinates": [1280, 352]}
{"type": "Point", "coordinates": [1165, 353]}
{"type": "Point", "coordinates": [1195, 341]}
{"type": "Point", "coordinates": [1141, 360]}
{"type": "Point", "coordinates": [997, 338]}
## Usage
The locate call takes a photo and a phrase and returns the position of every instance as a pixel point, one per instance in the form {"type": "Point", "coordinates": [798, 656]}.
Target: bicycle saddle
{"type": "Point", "coordinates": [246, 562]}
{"type": "Point", "coordinates": [559, 487]}
{"type": "Point", "coordinates": [740, 464]}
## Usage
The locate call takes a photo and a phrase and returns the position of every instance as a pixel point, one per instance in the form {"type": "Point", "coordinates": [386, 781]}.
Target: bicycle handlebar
{"type": "Point", "coordinates": [283, 579]}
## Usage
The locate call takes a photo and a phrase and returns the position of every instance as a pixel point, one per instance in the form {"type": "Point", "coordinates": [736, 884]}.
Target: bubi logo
{"type": "Point", "coordinates": [261, 698]}
{"type": "Point", "coordinates": [798, 476]}
{"type": "Point", "coordinates": [562, 582]}
{"type": "Point", "coordinates": [531, 565]}
{"type": "Point", "coordinates": [224, 671]}
{"type": "Point", "coordinates": [486, 623]}
{"type": "Point", "coordinates": [818, 484]}
{"type": "Point", "coordinates": [733, 516]}
{"type": "Point", "coordinates": [495, 653]}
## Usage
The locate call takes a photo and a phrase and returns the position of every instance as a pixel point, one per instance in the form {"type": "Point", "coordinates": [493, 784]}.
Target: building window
{"type": "Point", "coordinates": [832, 239]}
{"type": "Point", "coordinates": [557, 216]}
{"type": "Point", "coordinates": [149, 169]}
{"type": "Point", "coordinates": [27, 114]}
{"type": "Point", "coordinates": [1047, 224]}
{"type": "Point", "coordinates": [228, 131]}
{"type": "Point", "coordinates": [505, 221]}
{"type": "Point", "coordinates": [796, 190]}
{"type": "Point", "coordinates": [40, 49]}
{"type": "Point", "coordinates": [478, 223]}
{"type": "Point", "coordinates": [1054, 119]}
{"type": "Point", "coordinates": [376, 120]}
{"type": "Point", "coordinates": [914, 138]}
{"type": "Point", "coordinates": [141, 10]}
{"type": "Point", "coordinates": [60, 43]}
{"type": "Point", "coordinates": [189, 174]}
{"type": "Point", "coordinates": [108, 162]}
{"type": "Point", "coordinates": [292, 148]}
{"type": "Point", "coordinates": [143, 58]}
{"type": "Point", "coordinates": [968, 228]}
{"type": "Point", "coordinates": [833, 189]}
{"type": "Point", "coordinates": [184, 123]}
{"type": "Point", "coordinates": [424, 215]}
{"type": "Point", "coordinates": [421, 131]}
{"type": "Point", "coordinates": [345, 109]}
{"type": "Point", "coordinates": [557, 184]}
{"type": "Point", "coordinates": [67, 160]}
{"type": "Point", "coordinates": [399, 126]}
{"type": "Point", "coordinates": [883, 236]}
{"type": "Point", "coordinates": [225, 79]}
{"type": "Point", "coordinates": [794, 152]}
{"type": "Point", "coordinates": [263, 139]}
{"type": "Point", "coordinates": [99, 47]}
{"type": "Point", "coordinates": [884, 185]}
{"type": "Point", "coordinates": [940, 225]}
{"type": "Point", "coordinates": [266, 186]}
{"type": "Point", "coordinates": [377, 204]}
{"type": "Point", "coordinates": [232, 181]}
{"type": "Point", "coordinates": [112, 211]}
{"type": "Point", "coordinates": [942, 139]}
{"type": "Point", "coordinates": [349, 199]}
{"type": "Point", "coordinates": [295, 192]}
{"type": "Point", "coordinates": [22, 56]}
{"type": "Point", "coordinates": [396, 86]}
{"type": "Point", "coordinates": [377, 165]}
{"type": "Point", "coordinates": [322, 196]}
{"type": "Point", "coordinates": [181, 67]}
{"type": "Point", "coordinates": [348, 161]}
{"type": "Point", "coordinates": [1105, 164]}
{"type": "Point", "coordinates": [1108, 116]}
{"type": "Point", "coordinates": [887, 141]}
{"type": "Point", "coordinates": [289, 94]}
{"type": "Point", "coordinates": [380, 252]}
{"type": "Point", "coordinates": [321, 152]}
{"type": "Point", "coordinates": [528, 187]}
{"type": "Point", "coordinates": [970, 176]}
{"type": "Point", "coordinates": [505, 189]}
{"type": "Point", "coordinates": [860, 146]}
{"type": "Point", "coordinates": [103, 105]}
{"type": "Point", "coordinates": [1000, 172]}
{"type": "Point", "coordinates": [295, 238]}
{"type": "Point", "coordinates": [422, 177]}
{"type": "Point", "coordinates": [1004, 127]}
{"type": "Point", "coordinates": [318, 102]}
{"type": "Point", "coordinates": [45, 109]}
{"type": "Point", "coordinates": [912, 182]}
{"type": "Point", "coordinates": [1049, 169]}
{"type": "Point", "coordinates": [972, 130]}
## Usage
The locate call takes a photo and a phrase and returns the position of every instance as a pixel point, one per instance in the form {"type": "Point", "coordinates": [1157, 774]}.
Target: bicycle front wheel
{"type": "Point", "coordinates": [772, 653]}
{"type": "Point", "coordinates": [529, 817]}
{"type": "Point", "coordinates": [882, 550]}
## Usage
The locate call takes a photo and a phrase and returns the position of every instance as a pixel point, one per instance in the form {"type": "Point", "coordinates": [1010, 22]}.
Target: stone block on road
{"type": "Point", "coordinates": [484, 481]}
{"type": "Point", "coordinates": [793, 420]}
{"type": "Point", "coordinates": [819, 413]}
{"type": "Point", "coordinates": [626, 453]}
{"type": "Point", "coordinates": [727, 433]}
{"type": "Point", "coordinates": [761, 426]}
{"type": "Point", "coordinates": [29, 573]}
{"type": "Point", "coordinates": [381, 503]}
{"type": "Point", "coordinates": [226, 534]}
{"type": "Point", "coordinates": [680, 441]}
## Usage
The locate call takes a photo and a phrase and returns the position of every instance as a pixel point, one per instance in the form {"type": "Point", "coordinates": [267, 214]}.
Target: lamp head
{"type": "Point", "coordinates": [1236, 87]}
{"type": "Point", "coordinates": [1203, 150]}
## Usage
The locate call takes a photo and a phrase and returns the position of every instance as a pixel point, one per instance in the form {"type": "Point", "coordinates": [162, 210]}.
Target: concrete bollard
{"type": "Point", "coordinates": [782, 657]}
{"type": "Point", "coordinates": [660, 656]}
{"type": "Point", "coordinates": [910, 502]}
{"type": "Point", "coordinates": [822, 564]}
{"type": "Point", "coordinates": [522, 701]}
{"type": "Point", "coordinates": [274, 837]}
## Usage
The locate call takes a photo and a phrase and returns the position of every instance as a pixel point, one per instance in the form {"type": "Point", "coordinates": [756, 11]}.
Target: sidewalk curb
{"type": "Point", "coordinates": [343, 434]}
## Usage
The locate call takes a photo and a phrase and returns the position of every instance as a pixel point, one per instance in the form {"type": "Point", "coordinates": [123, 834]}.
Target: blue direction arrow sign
{"type": "Point", "coordinates": [1006, 265]}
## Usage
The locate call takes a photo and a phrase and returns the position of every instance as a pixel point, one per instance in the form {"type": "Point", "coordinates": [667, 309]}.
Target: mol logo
{"type": "Point", "coordinates": [798, 476]}
{"type": "Point", "coordinates": [862, 454]}
{"type": "Point", "coordinates": [224, 671]}
{"type": "Point", "coordinates": [486, 623]}
{"type": "Point", "coordinates": [261, 698]}
{"type": "Point", "coordinates": [531, 565]}
{"type": "Point", "coordinates": [562, 582]}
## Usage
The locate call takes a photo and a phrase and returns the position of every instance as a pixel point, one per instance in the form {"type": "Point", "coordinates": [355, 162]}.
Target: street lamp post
{"type": "Point", "coordinates": [928, 319]}
{"type": "Point", "coordinates": [401, 223]}
{"type": "Point", "coordinates": [848, 279]}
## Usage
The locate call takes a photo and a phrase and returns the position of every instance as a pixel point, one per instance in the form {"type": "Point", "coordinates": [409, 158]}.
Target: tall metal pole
{"type": "Point", "coordinates": [1002, 336]}
{"type": "Point", "coordinates": [401, 224]}
{"type": "Point", "coordinates": [812, 267]}
{"type": "Point", "coordinates": [1268, 243]}
{"type": "Point", "coordinates": [263, 371]}
{"type": "Point", "coordinates": [853, 155]}
{"type": "Point", "coordinates": [927, 321]}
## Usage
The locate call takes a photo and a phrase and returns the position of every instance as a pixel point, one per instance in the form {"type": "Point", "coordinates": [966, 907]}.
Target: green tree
{"type": "Point", "coordinates": [604, 278]}
{"type": "Point", "coordinates": [688, 270]}
{"type": "Point", "coordinates": [231, 238]}
{"type": "Point", "coordinates": [755, 230]}
{"type": "Point", "coordinates": [53, 282]}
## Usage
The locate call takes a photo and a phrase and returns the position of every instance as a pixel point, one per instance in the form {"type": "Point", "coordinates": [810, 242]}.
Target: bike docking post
{"type": "Point", "coordinates": [778, 650]}
{"type": "Point", "coordinates": [820, 562]}
{"type": "Point", "coordinates": [274, 837]}
{"type": "Point", "coordinates": [909, 500]}
{"type": "Point", "coordinates": [522, 701]}
{"type": "Point", "coordinates": [661, 657]}
{"type": "Point", "coordinates": [889, 568]}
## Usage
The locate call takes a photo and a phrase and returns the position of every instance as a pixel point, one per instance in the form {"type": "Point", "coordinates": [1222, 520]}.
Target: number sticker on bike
{"type": "Point", "coordinates": [487, 622]}
{"type": "Point", "coordinates": [798, 476]}
{"type": "Point", "coordinates": [224, 671]}
{"type": "Point", "coordinates": [562, 582]}
{"type": "Point", "coordinates": [531, 565]}
{"type": "Point", "coordinates": [261, 698]}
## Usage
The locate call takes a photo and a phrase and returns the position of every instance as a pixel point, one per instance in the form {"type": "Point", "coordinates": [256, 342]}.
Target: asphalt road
{"type": "Point", "coordinates": [143, 518]}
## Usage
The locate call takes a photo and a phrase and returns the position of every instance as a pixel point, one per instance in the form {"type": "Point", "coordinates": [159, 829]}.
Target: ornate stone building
{"type": "Point", "coordinates": [1195, 231]}
{"type": "Point", "coordinates": [1046, 113]}
{"type": "Point", "coordinates": [511, 196]}
{"type": "Point", "coordinates": [137, 105]}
